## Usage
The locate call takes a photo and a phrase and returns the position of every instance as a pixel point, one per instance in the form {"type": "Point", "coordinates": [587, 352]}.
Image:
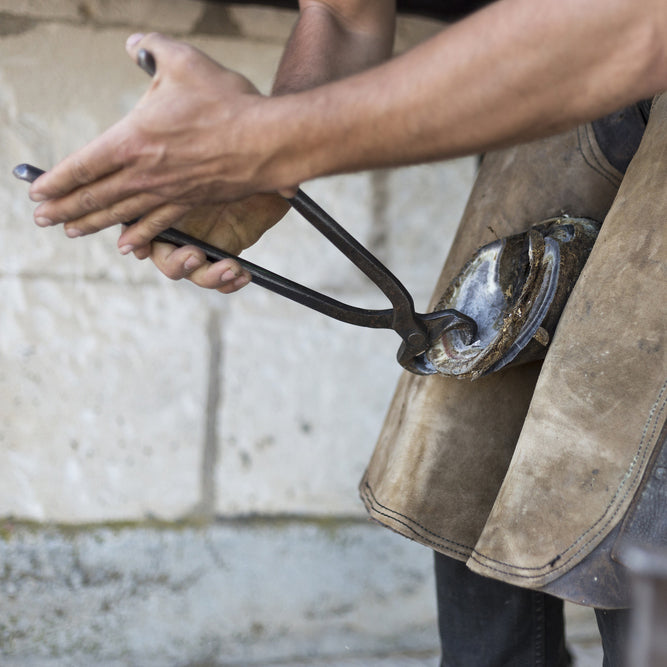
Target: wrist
{"type": "Point", "coordinates": [271, 144]}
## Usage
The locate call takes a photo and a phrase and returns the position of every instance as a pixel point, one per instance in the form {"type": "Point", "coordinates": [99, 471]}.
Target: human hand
{"type": "Point", "coordinates": [232, 227]}
{"type": "Point", "coordinates": [181, 147]}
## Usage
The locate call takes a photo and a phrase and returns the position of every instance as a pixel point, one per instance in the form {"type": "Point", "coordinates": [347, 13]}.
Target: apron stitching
{"type": "Point", "coordinates": [443, 541]}
{"type": "Point", "coordinates": [653, 417]}
{"type": "Point", "coordinates": [598, 167]}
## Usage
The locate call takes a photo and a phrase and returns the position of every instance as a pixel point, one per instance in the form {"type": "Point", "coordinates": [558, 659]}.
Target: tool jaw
{"type": "Point", "coordinates": [413, 353]}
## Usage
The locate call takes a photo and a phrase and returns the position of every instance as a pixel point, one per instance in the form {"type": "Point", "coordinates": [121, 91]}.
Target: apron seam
{"type": "Point", "coordinates": [592, 159]}
{"type": "Point", "coordinates": [412, 525]}
{"type": "Point", "coordinates": [631, 479]}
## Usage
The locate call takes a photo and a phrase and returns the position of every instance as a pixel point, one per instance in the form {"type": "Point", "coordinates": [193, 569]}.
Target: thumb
{"type": "Point", "coordinates": [145, 59]}
{"type": "Point", "coordinates": [132, 44]}
{"type": "Point", "coordinates": [146, 49]}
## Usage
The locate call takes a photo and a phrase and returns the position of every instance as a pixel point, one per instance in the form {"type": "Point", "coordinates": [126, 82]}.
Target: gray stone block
{"type": "Point", "coordinates": [233, 594]}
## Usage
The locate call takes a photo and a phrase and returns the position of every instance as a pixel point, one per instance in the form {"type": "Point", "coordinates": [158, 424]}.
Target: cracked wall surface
{"type": "Point", "coordinates": [178, 469]}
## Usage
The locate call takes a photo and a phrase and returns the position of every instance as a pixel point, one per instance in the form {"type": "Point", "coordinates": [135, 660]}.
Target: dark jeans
{"type": "Point", "coordinates": [488, 623]}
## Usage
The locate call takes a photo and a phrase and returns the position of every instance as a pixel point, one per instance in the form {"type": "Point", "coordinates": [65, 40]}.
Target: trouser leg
{"type": "Point", "coordinates": [484, 622]}
{"type": "Point", "coordinates": [614, 626]}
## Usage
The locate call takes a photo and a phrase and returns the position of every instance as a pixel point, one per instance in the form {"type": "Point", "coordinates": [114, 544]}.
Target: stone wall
{"type": "Point", "coordinates": [178, 469]}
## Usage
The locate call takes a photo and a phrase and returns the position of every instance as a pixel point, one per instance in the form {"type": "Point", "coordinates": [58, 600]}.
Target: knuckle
{"type": "Point", "coordinates": [148, 228]}
{"type": "Point", "coordinates": [169, 267]}
{"type": "Point", "coordinates": [80, 172]}
{"type": "Point", "coordinates": [88, 202]}
{"type": "Point", "coordinates": [155, 225]}
{"type": "Point", "coordinates": [131, 146]}
{"type": "Point", "coordinates": [144, 181]}
{"type": "Point", "coordinates": [182, 56]}
{"type": "Point", "coordinates": [118, 215]}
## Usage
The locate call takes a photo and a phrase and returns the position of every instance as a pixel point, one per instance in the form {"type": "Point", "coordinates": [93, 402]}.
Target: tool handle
{"type": "Point", "coordinates": [417, 331]}
{"type": "Point", "coordinates": [336, 234]}
{"type": "Point", "coordinates": [378, 319]}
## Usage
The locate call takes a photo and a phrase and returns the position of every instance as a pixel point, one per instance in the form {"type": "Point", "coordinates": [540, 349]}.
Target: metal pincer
{"type": "Point", "coordinates": [417, 331]}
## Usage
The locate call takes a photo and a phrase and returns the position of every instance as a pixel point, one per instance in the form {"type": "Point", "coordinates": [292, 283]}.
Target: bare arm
{"type": "Point", "coordinates": [332, 40]}
{"type": "Point", "coordinates": [517, 70]}
{"type": "Point", "coordinates": [514, 71]}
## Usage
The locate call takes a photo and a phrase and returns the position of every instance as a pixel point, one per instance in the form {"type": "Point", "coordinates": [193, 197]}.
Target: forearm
{"type": "Point", "coordinates": [332, 40]}
{"type": "Point", "coordinates": [510, 73]}
{"type": "Point", "coordinates": [517, 70]}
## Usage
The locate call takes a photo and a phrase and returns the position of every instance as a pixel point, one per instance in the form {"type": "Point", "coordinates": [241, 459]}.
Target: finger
{"type": "Point", "coordinates": [112, 192]}
{"type": "Point", "coordinates": [96, 160]}
{"type": "Point", "coordinates": [144, 252]}
{"type": "Point", "coordinates": [235, 285]}
{"type": "Point", "coordinates": [149, 226]}
{"type": "Point", "coordinates": [141, 56]}
{"type": "Point", "coordinates": [226, 276]}
{"type": "Point", "coordinates": [101, 156]}
{"type": "Point", "coordinates": [288, 193]}
{"type": "Point", "coordinates": [189, 262]}
{"type": "Point", "coordinates": [176, 263]}
{"type": "Point", "coordinates": [153, 42]}
{"type": "Point", "coordinates": [159, 46]}
{"type": "Point", "coordinates": [72, 211]}
{"type": "Point", "coordinates": [95, 222]}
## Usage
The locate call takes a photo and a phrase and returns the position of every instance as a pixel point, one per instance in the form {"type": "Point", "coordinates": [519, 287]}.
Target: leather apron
{"type": "Point", "coordinates": [526, 474]}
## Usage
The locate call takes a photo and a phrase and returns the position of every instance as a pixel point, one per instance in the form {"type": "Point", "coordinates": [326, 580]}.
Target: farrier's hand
{"type": "Point", "coordinates": [231, 227]}
{"type": "Point", "coordinates": [182, 146]}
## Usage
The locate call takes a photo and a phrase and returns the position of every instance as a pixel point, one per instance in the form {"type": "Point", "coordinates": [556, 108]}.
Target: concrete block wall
{"type": "Point", "coordinates": [178, 469]}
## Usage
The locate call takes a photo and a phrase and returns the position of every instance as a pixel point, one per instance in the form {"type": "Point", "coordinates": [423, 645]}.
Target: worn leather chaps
{"type": "Point", "coordinates": [534, 474]}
